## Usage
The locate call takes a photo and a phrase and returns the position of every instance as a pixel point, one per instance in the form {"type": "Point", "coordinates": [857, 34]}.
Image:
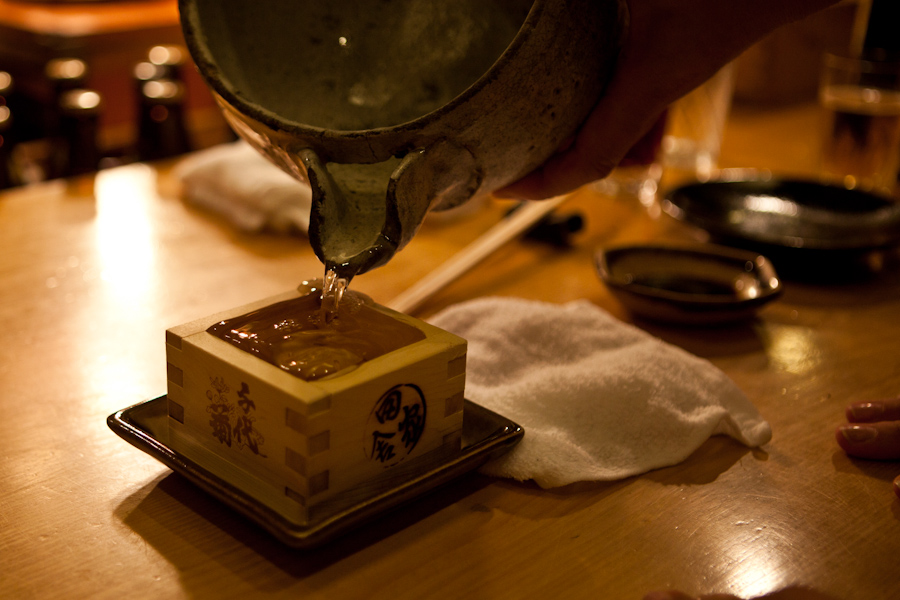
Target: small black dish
{"type": "Point", "coordinates": [703, 285]}
{"type": "Point", "coordinates": [798, 224]}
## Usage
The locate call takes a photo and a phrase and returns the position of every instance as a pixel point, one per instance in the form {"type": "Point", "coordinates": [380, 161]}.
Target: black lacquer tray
{"type": "Point", "coordinates": [486, 435]}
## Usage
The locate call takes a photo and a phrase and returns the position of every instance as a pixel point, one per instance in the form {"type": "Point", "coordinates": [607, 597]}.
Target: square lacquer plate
{"type": "Point", "coordinates": [485, 436]}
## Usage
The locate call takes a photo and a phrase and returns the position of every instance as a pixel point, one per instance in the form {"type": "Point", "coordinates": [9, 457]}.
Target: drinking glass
{"type": "Point", "coordinates": [695, 127]}
{"type": "Point", "coordinates": [861, 145]}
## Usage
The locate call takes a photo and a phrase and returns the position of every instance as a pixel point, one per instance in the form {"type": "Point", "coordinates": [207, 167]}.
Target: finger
{"type": "Point", "coordinates": [879, 440]}
{"type": "Point", "coordinates": [897, 486]}
{"type": "Point", "coordinates": [879, 410]}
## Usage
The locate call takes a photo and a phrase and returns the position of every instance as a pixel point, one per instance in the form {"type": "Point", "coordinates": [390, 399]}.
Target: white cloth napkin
{"type": "Point", "coordinates": [598, 399]}
{"type": "Point", "coordinates": [237, 182]}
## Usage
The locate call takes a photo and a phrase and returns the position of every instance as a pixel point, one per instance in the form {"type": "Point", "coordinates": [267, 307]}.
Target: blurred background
{"type": "Point", "coordinates": [87, 85]}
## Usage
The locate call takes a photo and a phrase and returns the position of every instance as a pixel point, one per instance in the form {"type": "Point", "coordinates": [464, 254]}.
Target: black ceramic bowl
{"type": "Point", "coordinates": [792, 214]}
{"type": "Point", "coordinates": [702, 285]}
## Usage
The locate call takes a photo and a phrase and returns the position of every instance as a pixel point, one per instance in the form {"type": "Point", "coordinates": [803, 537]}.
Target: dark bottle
{"type": "Point", "coordinates": [29, 121]}
{"type": "Point", "coordinates": [146, 71]}
{"type": "Point", "coordinates": [6, 92]}
{"type": "Point", "coordinates": [8, 176]}
{"type": "Point", "coordinates": [79, 124]}
{"type": "Point", "coordinates": [6, 87]}
{"type": "Point", "coordinates": [63, 75]}
{"type": "Point", "coordinates": [881, 43]}
{"type": "Point", "coordinates": [66, 73]}
{"type": "Point", "coordinates": [162, 131]}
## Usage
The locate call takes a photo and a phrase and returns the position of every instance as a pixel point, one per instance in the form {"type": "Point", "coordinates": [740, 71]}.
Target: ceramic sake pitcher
{"type": "Point", "coordinates": [397, 107]}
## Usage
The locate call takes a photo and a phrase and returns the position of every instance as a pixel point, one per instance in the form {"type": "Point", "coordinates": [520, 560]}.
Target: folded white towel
{"type": "Point", "coordinates": [240, 184]}
{"type": "Point", "coordinates": [598, 399]}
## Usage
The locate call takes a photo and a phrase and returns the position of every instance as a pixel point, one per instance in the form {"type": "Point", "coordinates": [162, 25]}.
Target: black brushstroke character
{"type": "Point", "coordinates": [382, 450]}
{"type": "Point", "coordinates": [246, 436]}
{"type": "Point", "coordinates": [220, 416]}
{"type": "Point", "coordinates": [400, 410]}
{"type": "Point", "coordinates": [389, 407]}
{"type": "Point", "coordinates": [245, 402]}
{"type": "Point", "coordinates": [411, 427]}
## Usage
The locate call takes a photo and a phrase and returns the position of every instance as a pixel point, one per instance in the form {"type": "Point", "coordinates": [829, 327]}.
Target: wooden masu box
{"type": "Point", "coordinates": [307, 449]}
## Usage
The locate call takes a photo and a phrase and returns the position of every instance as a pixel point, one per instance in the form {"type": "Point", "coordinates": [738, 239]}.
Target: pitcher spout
{"type": "Point", "coordinates": [352, 228]}
{"type": "Point", "coordinates": [362, 214]}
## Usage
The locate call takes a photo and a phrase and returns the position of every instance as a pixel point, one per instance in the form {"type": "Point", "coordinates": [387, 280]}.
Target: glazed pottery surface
{"type": "Point", "coordinates": [391, 109]}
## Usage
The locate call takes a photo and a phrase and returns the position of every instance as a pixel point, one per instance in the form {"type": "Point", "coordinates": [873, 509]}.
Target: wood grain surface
{"type": "Point", "coordinates": [90, 282]}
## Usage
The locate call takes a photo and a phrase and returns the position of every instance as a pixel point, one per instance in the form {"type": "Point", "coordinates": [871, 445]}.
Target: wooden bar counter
{"type": "Point", "coordinates": [90, 282]}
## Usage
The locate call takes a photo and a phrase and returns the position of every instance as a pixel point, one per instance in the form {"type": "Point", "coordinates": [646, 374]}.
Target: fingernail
{"type": "Point", "coordinates": [865, 411]}
{"type": "Point", "coordinates": [859, 433]}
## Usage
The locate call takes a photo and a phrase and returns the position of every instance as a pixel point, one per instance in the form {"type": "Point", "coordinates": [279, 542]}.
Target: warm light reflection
{"type": "Point", "coordinates": [124, 238]}
{"type": "Point", "coordinates": [85, 99]}
{"type": "Point", "coordinates": [756, 570]}
{"type": "Point", "coordinates": [145, 71]}
{"type": "Point", "coordinates": [165, 55]}
{"type": "Point", "coordinates": [161, 90]}
{"type": "Point", "coordinates": [771, 204]}
{"type": "Point", "coordinates": [750, 555]}
{"type": "Point", "coordinates": [793, 349]}
{"type": "Point", "coordinates": [66, 68]}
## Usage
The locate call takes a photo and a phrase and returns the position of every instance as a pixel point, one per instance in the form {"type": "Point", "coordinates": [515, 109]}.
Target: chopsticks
{"type": "Point", "coordinates": [500, 234]}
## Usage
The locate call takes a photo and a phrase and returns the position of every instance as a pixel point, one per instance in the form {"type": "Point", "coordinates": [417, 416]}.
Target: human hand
{"type": "Point", "coordinates": [872, 431]}
{"type": "Point", "coordinates": [671, 47]}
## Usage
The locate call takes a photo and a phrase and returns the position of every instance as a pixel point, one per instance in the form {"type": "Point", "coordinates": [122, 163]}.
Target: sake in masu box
{"type": "Point", "coordinates": [309, 412]}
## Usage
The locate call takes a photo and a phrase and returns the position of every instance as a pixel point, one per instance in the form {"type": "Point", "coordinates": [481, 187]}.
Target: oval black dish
{"type": "Point", "coordinates": [798, 224]}
{"type": "Point", "coordinates": [704, 285]}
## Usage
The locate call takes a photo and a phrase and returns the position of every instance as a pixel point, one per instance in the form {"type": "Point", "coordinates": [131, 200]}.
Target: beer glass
{"type": "Point", "coordinates": [861, 146]}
